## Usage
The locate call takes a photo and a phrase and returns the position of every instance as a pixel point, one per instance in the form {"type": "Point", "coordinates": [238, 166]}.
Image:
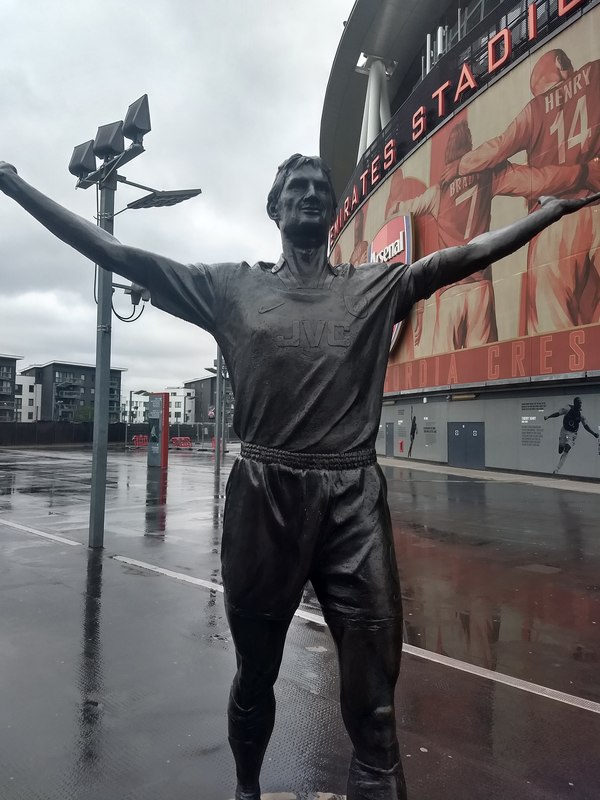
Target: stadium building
{"type": "Point", "coordinates": [443, 120]}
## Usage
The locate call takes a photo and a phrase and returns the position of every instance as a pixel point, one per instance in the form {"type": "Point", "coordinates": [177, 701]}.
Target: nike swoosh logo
{"type": "Point", "coordinates": [264, 309]}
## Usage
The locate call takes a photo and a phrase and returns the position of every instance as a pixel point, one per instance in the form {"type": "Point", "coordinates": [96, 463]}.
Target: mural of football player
{"type": "Point", "coordinates": [402, 189]}
{"type": "Point", "coordinates": [413, 432]}
{"type": "Point", "coordinates": [462, 208]}
{"type": "Point", "coordinates": [336, 255]}
{"type": "Point", "coordinates": [560, 126]}
{"type": "Point", "coordinates": [572, 419]}
{"type": "Point", "coordinates": [360, 254]}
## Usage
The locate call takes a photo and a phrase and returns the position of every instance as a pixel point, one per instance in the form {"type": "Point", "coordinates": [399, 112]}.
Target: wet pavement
{"type": "Point", "coordinates": [115, 666]}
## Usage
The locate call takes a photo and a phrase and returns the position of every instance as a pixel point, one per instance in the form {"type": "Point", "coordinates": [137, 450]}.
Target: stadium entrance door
{"type": "Point", "coordinates": [466, 444]}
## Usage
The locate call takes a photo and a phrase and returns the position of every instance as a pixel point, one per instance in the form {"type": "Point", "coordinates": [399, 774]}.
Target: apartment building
{"type": "Point", "coordinates": [28, 399]}
{"type": "Point", "coordinates": [68, 389]}
{"type": "Point", "coordinates": [8, 372]}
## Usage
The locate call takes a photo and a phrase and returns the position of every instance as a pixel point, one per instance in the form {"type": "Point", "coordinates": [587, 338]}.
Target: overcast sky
{"type": "Point", "coordinates": [235, 86]}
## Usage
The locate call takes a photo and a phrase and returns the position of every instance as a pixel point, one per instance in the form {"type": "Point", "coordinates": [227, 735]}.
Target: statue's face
{"type": "Point", "coordinates": [305, 208]}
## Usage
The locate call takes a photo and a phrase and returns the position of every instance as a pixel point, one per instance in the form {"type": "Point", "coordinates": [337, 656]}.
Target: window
{"type": "Point", "coordinates": [177, 405]}
{"type": "Point", "coordinates": [30, 415]}
{"type": "Point", "coordinates": [31, 388]}
{"type": "Point", "coordinates": [19, 402]}
{"type": "Point", "coordinates": [83, 377]}
{"type": "Point", "coordinates": [173, 394]}
{"type": "Point", "coordinates": [178, 415]}
{"type": "Point", "coordinates": [30, 401]}
{"type": "Point", "coordinates": [18, 388]}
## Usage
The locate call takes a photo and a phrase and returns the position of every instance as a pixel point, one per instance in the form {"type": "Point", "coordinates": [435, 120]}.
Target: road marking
{"type": "Point", "coordinates": [507, 680]}
{"type": "Point", "coordinates": [180, 576]}
{"type": "Point", "coordinates": [418, 652]}
{"type": "Point", "coordinates": [52, 536]}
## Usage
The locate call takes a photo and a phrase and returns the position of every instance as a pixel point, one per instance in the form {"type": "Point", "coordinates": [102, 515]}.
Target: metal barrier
{"type": "Point", "coordinates": [181, 441]}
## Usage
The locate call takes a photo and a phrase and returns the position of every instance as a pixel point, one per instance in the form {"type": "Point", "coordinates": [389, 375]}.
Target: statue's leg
{"type": "Point", "coordinates": [369, 658]}
{"type": "Point", "coordinates": [356, 580]}
{"type": "Point", "coordinates": [268, 541]}
{"type": "Point", "coordinates": [259, 648]}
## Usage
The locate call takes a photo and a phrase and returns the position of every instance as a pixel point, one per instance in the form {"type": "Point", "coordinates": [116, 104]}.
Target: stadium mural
{"type": "Point", "coordinates": [535, 131]}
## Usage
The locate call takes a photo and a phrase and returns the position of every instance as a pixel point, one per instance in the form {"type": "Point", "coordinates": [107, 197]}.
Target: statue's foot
{"type": "Point", "coordinates": [245, 793]}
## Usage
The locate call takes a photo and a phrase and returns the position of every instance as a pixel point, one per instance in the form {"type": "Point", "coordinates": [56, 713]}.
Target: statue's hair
{"type": "Point", "coordinates": [285, 170]}
{"type": "Point", "coordinates": [460, 142]}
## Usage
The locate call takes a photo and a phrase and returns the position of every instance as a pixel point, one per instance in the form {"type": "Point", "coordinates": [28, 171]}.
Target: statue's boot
{"type": "Point", "coordinates": [370, 783]}
{"type": "Point", "coordinates": [248, 756]}
{"type": "Point", "coordinates": [246, 794]}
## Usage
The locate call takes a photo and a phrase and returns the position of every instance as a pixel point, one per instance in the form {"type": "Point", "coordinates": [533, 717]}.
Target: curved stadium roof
{"type": "Point", "coordinates": [394, 30]}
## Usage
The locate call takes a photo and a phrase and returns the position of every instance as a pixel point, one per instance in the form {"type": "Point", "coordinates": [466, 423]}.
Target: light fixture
{"type": "Point", "coordinates": [109, 140]}
{"type": "Point", "coordinates": [159, 199]}
{"type": "Point", "coordinates": [83, 160]}
{"type": "Point", "coordinates": [137, 120]}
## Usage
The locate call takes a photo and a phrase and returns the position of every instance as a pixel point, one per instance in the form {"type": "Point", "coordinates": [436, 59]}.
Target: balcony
{"type": "Point", "coordinates": [69, 381]}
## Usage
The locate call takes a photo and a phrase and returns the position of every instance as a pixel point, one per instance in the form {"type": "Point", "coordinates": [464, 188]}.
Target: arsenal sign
{"type": "Point", "coordinates": [394, 243]}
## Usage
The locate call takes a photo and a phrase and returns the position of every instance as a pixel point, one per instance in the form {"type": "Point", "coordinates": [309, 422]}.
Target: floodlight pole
{"type": "Point", "coordinates": [108, 186]}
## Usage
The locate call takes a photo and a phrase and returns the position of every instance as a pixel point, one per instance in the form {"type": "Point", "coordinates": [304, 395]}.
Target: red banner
{"type": "Point", "coordinates": [558, 353]}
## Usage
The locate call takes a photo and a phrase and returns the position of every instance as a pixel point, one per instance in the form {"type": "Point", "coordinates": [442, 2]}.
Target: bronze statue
{"type": "Point", "coordinates": [305, 345]}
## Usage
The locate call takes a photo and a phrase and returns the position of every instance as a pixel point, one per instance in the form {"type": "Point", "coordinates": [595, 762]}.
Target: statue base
{"type": "Point", "coordinates": [303, 796]}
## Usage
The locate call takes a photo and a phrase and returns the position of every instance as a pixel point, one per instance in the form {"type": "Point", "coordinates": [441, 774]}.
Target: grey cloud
{"type": "Point", "coordinates": [234, 88]}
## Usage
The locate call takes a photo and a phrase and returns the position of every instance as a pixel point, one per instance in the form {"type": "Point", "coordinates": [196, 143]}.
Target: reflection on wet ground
{"type": "Point", "coordinates": [501, 575]}
{"type": "Point", "coordinates": [504, 576]}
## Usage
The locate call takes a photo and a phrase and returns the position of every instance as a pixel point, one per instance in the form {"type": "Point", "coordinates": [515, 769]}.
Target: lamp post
{"type": "Point", "coordinates": [109, 146]}
{"type": "Point", "coordinates": [220, 370]}
{"type": "Point", "coordinates": [129, 414]}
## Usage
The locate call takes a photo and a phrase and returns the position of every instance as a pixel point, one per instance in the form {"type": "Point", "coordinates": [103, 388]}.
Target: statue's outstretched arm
{"type": "Point", "coordinates": [87, 238]}
{"type": "Point", "coordinates": [455, 263]}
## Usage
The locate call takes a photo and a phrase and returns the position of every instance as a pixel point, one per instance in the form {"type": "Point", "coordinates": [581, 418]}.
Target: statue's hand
{"type": "Point", "coordinates": [564, 206]}
{"type": "Point", "coordinates": [6, 169]}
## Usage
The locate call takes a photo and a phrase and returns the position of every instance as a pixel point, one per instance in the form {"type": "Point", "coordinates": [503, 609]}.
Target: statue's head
{"type": "Point", "coordinates": [302, 200]}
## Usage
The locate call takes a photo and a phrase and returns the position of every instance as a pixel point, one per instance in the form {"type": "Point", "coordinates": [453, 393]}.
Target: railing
{"type": "Point", "coordinates": [71, 381]}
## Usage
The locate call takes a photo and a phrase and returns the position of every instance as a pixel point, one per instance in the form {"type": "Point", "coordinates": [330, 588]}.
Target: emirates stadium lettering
{"type": "Point", "coordinates": [446, 99]}
{"type": "Point", "coordinates": [391, 250]}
